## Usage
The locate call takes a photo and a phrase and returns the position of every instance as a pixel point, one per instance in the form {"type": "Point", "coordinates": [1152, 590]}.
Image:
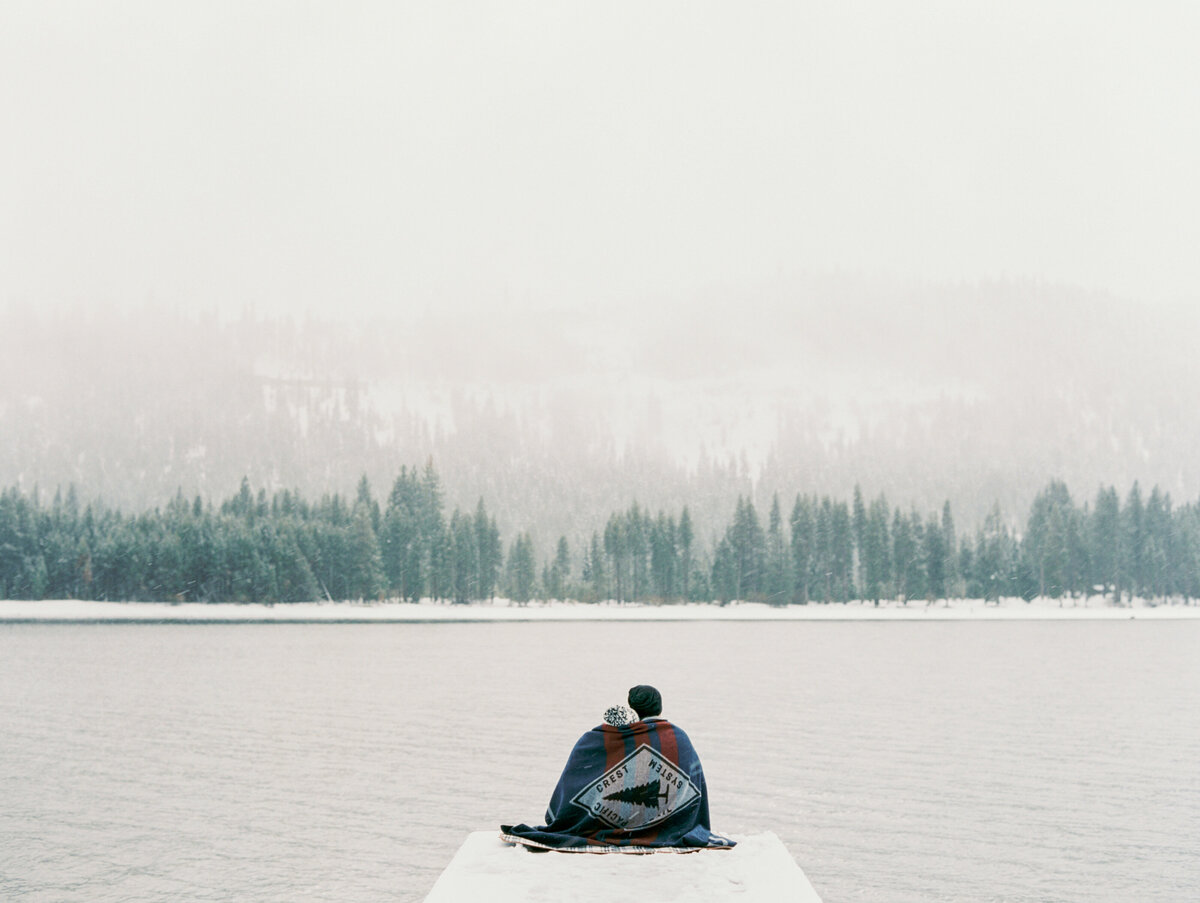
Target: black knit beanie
{"type": "Point", "coordinates": [645, 700]}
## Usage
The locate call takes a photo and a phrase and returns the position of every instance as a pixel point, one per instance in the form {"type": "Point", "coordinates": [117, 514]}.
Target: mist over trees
{"type": "Point", "coordinates": [975, 394]}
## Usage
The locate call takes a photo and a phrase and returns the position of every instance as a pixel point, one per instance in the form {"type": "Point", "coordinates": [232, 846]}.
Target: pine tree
{"type": "Point", "coordinates": [842, 552]}
{"type": "Point", "coordinates": [803, 540]}
{"type": "Point", "coordinates": [1133, 542]}
{"type": "Point", "coordinates": [725, 572]}
{"type": "Point", "coordinates": [491, 553]}
{"type": "Point", "coordinates": [1079, 566]}
{"type": "Point", "coordinates": [1188, 531]}
{"type": "Point", "coordinates": [823, 566]}
{"type": "Point", "coordinates": [252, 577]}
{"type": "Point", "coordinates": [903, 556]}
{"type": "Point", "coordinates": [664, 557]}
{"type": "Point", "coordinates": [637, 537]}
{"type": "Point", "coordinates": [521, 571]}
{"type": "Point", "coordinates": [241, 505]}
{"type": "Point", "coordinates": [1158, 544]}
{"type": "Point", "coordinates": [556, 574]}
{"type": "Point", "coordinates": [294, 578]}
{"type": "Point", "coordinates": [642, 795]}
{"type": "Point", "coordinates": [859, 514]}
{"type": "Point", "coordinates": [778, 584]}
{"type": "Point", "coordinates": [617, 551]}
{"type": "Point", "coordinates": [365, 567]}
{"type": "Point", "coordinates": [996, 557]}
{"type": "Point", "coordinates": [1047, 544]}
{"type": "Point", "coordinates": [950, 544]}
{"type": "Point", "coordinates": [934, 555]}
{"type": "Point", "coordinates": [363, 497]}
{"type": "Point", "coordinates": [434, 545]}
{"type": "Point", "coordinates": [877, 558]}
{"type": "Point", "coordinates": [748, 543]}
{"type": "Point", "coordinates": [593, 569]}
{"type": "Point", "coordinates": [464, 558]}
{"type": "Point", "coordinates": [686, 536]}
{"type": "Point", "coordinates": [400, 539]}
{"type": "Point", "coordinates": [1104, 532]}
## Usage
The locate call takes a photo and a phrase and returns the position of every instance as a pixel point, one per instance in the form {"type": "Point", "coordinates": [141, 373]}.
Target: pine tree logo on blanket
{"type": "Point", "coordinates": [641, 790]}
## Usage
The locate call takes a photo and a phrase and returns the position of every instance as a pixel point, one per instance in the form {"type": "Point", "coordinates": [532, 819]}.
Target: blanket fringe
{"type": "Point", "coordinates": [628, 849]}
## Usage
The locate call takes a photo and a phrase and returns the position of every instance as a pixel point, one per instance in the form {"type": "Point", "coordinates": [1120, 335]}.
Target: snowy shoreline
{"type": "Point", "coordinates": [74, 611]}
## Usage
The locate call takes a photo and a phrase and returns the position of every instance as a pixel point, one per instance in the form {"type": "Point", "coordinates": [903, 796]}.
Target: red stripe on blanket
{"type": "Point", "coordinates": [614, 747]}
{"type": "Point", "coordinates": [669, 747]}
{"type": "Point", "coordinates": [614, 752]}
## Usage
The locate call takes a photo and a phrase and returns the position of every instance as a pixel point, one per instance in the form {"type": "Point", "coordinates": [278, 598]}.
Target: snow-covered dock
{"type": "Point", "coordinates": [759, 868]}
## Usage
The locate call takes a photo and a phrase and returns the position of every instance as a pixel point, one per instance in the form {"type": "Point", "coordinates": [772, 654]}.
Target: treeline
{"type": "Point", "coordinates": [252, 548]}
{"type": "Point", "coordinates": [283, 548]}
{"type": "Point", "coordinates": [828, 550]}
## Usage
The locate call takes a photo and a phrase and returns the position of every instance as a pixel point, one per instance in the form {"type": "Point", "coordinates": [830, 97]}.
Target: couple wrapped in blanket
{"type": "Point", "coordinates": [631, 785]}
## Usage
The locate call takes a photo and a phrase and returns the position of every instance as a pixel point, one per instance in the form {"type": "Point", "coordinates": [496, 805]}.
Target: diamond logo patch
{"type": "Point", "coordinates": [641, 790]}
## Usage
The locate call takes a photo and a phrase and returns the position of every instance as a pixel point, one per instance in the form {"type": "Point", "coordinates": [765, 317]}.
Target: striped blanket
{"type": "Point", "coordinates": [638, 788]}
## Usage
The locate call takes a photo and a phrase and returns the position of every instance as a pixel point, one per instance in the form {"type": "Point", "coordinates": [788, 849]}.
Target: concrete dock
{"type": "Point", "coordinates": [758, 870]}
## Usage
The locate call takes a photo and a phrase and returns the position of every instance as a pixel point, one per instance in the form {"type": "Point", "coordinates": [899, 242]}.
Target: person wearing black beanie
{"type": "Point", "coordinates": [645, 700]}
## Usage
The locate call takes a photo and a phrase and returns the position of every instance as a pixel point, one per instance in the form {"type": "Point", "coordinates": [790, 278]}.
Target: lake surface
{"type": "Point", "coordinates": [949, 761]}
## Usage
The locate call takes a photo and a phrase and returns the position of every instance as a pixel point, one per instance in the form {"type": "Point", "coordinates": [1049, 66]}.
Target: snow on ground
{"type": "Point", "coordinates": [759, 868]}
{"type": "Point", "coordinates": [1094, 608]}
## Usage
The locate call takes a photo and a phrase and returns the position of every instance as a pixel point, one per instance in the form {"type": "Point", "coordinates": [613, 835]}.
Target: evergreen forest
{"type": "Point", "coordinates": [252, 548]}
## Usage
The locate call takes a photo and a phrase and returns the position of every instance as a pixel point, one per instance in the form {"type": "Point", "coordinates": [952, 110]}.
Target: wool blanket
{"type": "Point", "coordinates": [633, 788]}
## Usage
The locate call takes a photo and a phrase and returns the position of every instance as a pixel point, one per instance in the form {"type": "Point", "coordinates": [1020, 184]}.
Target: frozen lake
{"type": "Point", "coordinates": [947, 761]}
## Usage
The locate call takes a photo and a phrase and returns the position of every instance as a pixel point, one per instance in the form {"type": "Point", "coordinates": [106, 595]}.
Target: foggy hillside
{"type": "Point", "coordinates": [975, 393]}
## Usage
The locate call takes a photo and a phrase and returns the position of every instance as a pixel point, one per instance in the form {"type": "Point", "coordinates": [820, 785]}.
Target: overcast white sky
{"type": "Point", "coordinates": [371, 156]}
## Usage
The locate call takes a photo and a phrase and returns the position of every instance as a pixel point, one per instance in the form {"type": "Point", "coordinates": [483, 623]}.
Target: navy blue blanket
{"type": "Point", "coordinates": [640, 785]}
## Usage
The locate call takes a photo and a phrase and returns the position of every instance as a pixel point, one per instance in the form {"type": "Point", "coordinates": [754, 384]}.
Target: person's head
{"type": "Point", "coordinates": [619, 716]}
{"type": "Point", "coordinates": [645, 700]}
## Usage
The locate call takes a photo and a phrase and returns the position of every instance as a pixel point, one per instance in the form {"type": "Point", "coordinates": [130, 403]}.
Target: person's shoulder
{"type": "Point", "coordinates": [590, 740]}
{"type": "Point", "coordinates": [659, 719]}
{"type": "Point", "coordinates": [667, 723]}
